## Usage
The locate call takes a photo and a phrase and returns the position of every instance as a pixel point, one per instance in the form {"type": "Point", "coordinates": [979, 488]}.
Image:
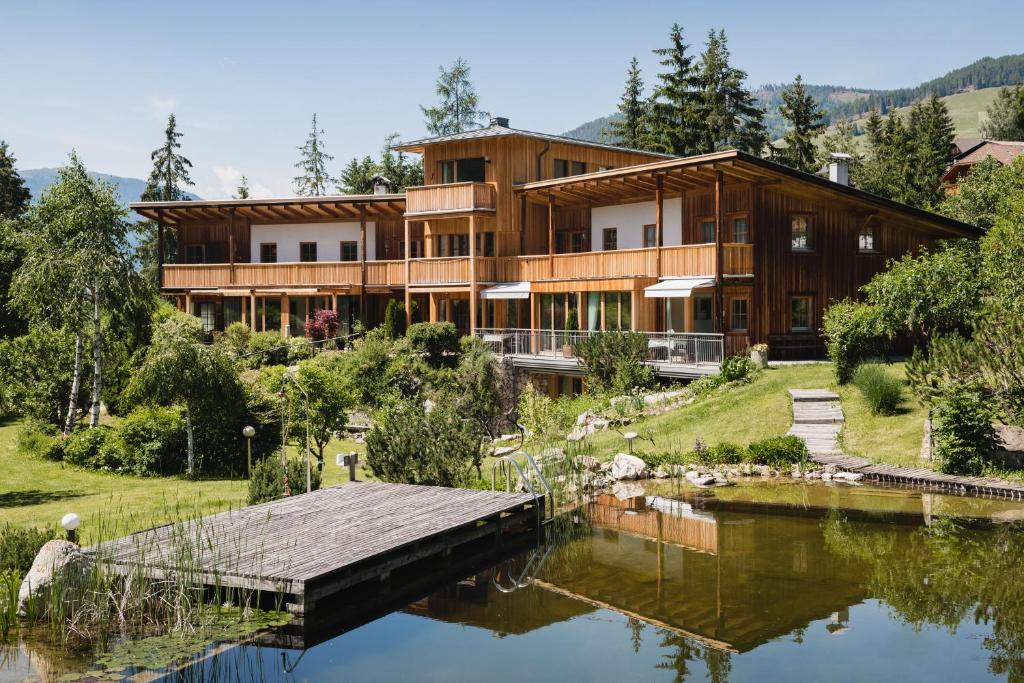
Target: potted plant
{"type": "Point", "coordinates": [759, 354]}
{"type": "Point", "coordinates": [572, 324]}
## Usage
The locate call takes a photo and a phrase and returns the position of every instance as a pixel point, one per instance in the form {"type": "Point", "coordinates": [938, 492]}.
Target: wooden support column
{"type": "Point", "coordinates": [472, 275]}
{"type": "Point", "coordinates": [659, 221]}
{"type": "Point", "coordinates": [551, 236]}
{"type": "Point", "coordinates": [286, 316]}
{"type": "Point", "coordinates": [408, 282]}
{"type": "Point", "coordinates": [433, 307]}
{"type": "Point", "coordinates": [245, 310]}
{"type": "Point", "coordinates": [719, 225]}
{"type": "Point", "coordinates": [362, 265]}
{"type": "Point", "coordinates": [522, 224]}
{"type": "Point", "coordinates": [231, 245]}
{"type": "Point", "coordinates": [252, 308]}
{"type": "Point", "coordinates": [160, 249]}
{"type": "Point", "coordinates": [534, 319]}
{"type": "Point", "coordinates": [188, 302]}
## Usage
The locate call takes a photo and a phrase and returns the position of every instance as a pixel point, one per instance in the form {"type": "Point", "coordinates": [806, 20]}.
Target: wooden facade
{"type": "Point", "coordinates": [506, 206]}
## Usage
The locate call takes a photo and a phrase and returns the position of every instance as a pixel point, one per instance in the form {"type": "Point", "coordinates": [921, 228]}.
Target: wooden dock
{"type": "Point", "coordinates": [312, 546]}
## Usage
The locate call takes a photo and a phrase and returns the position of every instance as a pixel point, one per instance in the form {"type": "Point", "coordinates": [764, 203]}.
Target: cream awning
{"type": "Point", "coordinates": [677, 287]}
{"type": "Point", "coordinates": [507, 290]}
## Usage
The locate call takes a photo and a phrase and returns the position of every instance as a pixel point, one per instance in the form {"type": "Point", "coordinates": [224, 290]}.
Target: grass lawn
{"type": "Point", "coordinates": [893, 439]}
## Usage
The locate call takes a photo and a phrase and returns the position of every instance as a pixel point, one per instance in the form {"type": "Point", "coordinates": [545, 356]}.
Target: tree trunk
{"type": "Point", "coordinates": [188, 433]}
{"type": "Point", "coordinates": [76, 383]}
{"type": "Point", "coordinates": [97, 370]}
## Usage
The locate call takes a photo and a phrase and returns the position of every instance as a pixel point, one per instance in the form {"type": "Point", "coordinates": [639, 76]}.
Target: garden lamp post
{"type": "Point", "coordinates": [70, 523]}
{"type": "Point", "coordinates": [629, 437]}
{"type": "Point", "coordinates": [248, 432]}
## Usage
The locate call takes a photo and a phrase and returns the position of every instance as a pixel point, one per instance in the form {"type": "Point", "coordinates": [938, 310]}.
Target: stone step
{"type": "Point", "coordinates": [805, 395]}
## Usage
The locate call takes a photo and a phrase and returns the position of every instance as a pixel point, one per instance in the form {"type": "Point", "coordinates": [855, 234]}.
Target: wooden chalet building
{"type": "Point", "coordinates": [513, 229]}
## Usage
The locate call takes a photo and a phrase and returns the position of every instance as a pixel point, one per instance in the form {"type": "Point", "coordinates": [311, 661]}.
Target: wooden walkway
{"type": "Point", "coordinates": [818, 418]}
{"type": "Point", "coordinates": [314, 545]}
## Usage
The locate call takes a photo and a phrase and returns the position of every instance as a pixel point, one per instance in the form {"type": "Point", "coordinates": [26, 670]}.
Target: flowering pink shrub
{"type": "Point", "coordinates": [323, 325]}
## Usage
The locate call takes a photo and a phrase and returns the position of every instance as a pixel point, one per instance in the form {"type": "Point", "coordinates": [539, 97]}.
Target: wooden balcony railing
{"type": "Point", "coordinates": [322, 273]}
{"type": "Point", "coordinates": [385, 273]}
{"type": "Point", "coordinates": [453, 198]}
{"type": "Point", "coordinates": [431, 271]}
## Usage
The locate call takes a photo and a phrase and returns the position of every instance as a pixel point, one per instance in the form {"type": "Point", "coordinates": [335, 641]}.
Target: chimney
{"type": "Point", "coordinates": [499, 121]}
{"type": "Point", "coordinates": [839, 168]}
{"type": "Point", "coordinates": [381, 185]}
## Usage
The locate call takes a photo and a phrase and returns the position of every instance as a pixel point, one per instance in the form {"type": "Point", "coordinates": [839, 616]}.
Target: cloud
{"type": "Point", "coordinates": [226, 185]}
{"type": "Point", "coordinates": [162, 105]}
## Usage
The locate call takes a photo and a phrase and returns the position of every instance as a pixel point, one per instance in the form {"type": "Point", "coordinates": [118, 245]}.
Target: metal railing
{"type": "Point", "coordinates": [671, 347]}
{"type": "Point", "coordinates": [507, 463]}
{"type": "Point", "coordinates": [686, 348]}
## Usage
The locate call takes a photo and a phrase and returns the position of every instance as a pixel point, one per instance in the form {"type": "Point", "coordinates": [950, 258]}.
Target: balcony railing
{"type": "Point", "coordinates": [454, 198]}
{"type": "Point", "coordinates": [307, 274]}
{"type": "Point", "coordinates": [677, 348]}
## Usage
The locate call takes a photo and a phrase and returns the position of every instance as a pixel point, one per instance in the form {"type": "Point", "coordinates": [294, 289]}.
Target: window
{"type": "Point", "coordinates": [349, 251]}
{"type": "Point", "coordinates": [578, 168]}
{"type": "Point", "coordinates": [740, 231]}
{"type": "Point", "coordinates": [195, 253]}
{"type": "Point", "coordinates": [577, 242]}
{"type": "Point", "coordinates": [650, 236]}
{"type": "Point", "coordinates": [703, 313]}
{"type": "Point", "coordinates": [867, 241]}
{"type": "Point", "coordinates": [738, 315]}
{"type": "Point", "coordinates": [610, 239]}
{"type": "Point", "coordinates": [561, 168]}
{"type": "Point", "coordinates": [232, 311]}
{"type": "Point", "coordinates": [415, 249]}
{"type": "Point", "coordinates": [462, 170]}
{"type": "Point", "coordinates": [208, 315]}
{"type": "Point", "coordinates": [707, 231]}
{"type": "Point", "coordinates": [307, 251]}
{"type": "Point", "coordinates": [800, 232]}
{"type": "Point", "coordinates": [800, 314]}
{"type": "Point", "coordinates": [485, 244]}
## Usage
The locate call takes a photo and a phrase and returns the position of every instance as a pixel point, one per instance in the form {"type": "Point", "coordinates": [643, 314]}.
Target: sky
{"type": "Point", "coordinates": [244, 78]}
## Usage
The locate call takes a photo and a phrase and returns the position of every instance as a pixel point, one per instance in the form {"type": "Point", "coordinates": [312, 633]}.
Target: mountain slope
{"type": "Point", "coordinates": [128, 189]}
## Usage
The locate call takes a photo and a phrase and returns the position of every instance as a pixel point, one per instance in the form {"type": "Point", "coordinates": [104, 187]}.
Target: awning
{"type": "Point", "coordinates": [507, 290]}
{"type": "Point", "coordinates": [677, 287]}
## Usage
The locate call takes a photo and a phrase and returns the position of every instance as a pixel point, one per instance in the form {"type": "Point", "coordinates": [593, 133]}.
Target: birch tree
{"type": "Point", "coordinates": [76, 263]}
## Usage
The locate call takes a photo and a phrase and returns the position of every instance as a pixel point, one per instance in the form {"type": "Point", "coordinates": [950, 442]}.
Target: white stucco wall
{"type": "Point", "coordinates": [328, 237]}
{"type": "Point", "coordinates": [630, 219]}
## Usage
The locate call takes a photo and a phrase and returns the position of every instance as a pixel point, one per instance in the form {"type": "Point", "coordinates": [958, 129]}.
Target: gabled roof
{"type": "Point", "coordinates": [637, 183]}
{"type": "Point", "coordinates": [497, 130]}
{"type": "Point", "coordinates": [1003, 151]}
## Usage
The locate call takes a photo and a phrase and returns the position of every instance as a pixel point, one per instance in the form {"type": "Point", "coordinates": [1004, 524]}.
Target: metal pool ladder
{"type": "Point", "coordinates": [507, 462]}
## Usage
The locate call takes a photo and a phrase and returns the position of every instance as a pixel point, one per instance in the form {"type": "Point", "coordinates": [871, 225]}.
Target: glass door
{"type": "Point", "coordinates": [703, 314]}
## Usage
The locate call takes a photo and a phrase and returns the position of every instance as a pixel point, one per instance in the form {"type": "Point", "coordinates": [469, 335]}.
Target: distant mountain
{"type": "Point", "coordinates": [129, 189]}
{"type": "Point", "coordinates": [840, 101]}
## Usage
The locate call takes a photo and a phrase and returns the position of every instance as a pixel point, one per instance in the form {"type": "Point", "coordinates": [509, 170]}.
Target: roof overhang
{"type": "Point", "coordinates": [677, 287]}
{"type": "Point", "coordinates": [283, 210]}
{"type": "Point", "coordinates": [700, 173]}
{"type": "Point", "coordinates": [507, 290]}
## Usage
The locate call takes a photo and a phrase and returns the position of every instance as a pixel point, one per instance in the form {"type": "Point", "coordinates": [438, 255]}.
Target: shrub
{"type": "Point", "coordinates": [736, 368]}
{"type": "Point", "coordinates": [41, 440]}
{"type": "Point", "coordinates": [706, 384]}
{"type": "Point", "coordinates": [299, 349]}
{"type": "Point", "coordinates": [236, 338]}
{"type": "Point", "coordinates": [394, 319]}
{"type": "Point", "coordinates": [632, 375]}
{"type": "Point", "coordinates": [150, 440]}
{"type": "Point", "coordinates": [267, 480]}
{"type": "Point", "coordinates": [19, 547]}
{"type": "Point", "coordinates": [602, 353]}
{"type": "Point", "coordinates": [962, 430]}
{"type": "Point", "coordinates": [85, 448]}
{"type": "Point", "coordinates": [778, 451]}
{"type": "Point", "coordinates": [882, 391]}
{"type": "Point", "coordinates": [853, 333]}
{"type": "Point", "coordinates": [265, 348]}
{"type": "Point", "coordinates": [323, 325]}
{"type": "Point", "coordinates": [412, 446]}
{"type": "Point", "coordinates": [439, 342]}
{"type": "Point", "coordinates": [724, 453]}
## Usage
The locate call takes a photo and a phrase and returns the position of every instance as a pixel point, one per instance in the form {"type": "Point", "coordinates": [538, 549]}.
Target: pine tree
{"type": "Point", "coordinates": [458, 109]}
{"type": "Point", "coordinates": [888, 170]}
{"type": "Point", "coordinates": [675, 112]}
{"type": "Point", "coordinates": [243, 189]}
{"type": "Point", "coordinates": [932, 132]}
{"type": "Point", "coordinates": [1006, 115]}
{"type": "Point", "coordinates": [14, 196]}
{"type": "Point", "coordinates": [630, 128]}
{"type": "Point", "coordinates": [170, 174]}
{"type": "Point", "coordinates": [357, 176]}
{"type": "Point", "coordinates": [729, 115]}
{"type": "Point", "coordinates": [167, 183]}
{"type": "Point", "coordinates": [398, 168]}
{"type": "Point", "coordinates": [314, 179]}
{"type": "Point", "coordinates": [805, 119]}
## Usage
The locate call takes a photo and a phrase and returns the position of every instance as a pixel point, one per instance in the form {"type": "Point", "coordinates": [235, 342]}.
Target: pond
{"type": "Point", "coordinates": [762, 581]}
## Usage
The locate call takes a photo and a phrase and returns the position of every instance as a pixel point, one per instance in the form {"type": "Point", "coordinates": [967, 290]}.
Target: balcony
{"type": "Point", "coordinates": [314, 274]}
{"type": "Point", "coordinates": [449, 200]}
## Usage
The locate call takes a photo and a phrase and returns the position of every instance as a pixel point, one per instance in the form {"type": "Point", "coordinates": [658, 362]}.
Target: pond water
{"type": "Point", "coordinates": [765, 581]}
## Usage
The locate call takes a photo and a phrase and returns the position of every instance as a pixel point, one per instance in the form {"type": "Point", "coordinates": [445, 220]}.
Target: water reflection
{"type": "Point", "coordinates": [766, 582]}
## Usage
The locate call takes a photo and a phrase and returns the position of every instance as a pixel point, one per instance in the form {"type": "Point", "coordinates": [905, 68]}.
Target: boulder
{"type": "Point", "coordinates": [661, 473]}
{"type": "Point", "coordinates": [627, 490]}
{"type": "Point", "coordinates": [704, 480]}
{"type": "Point", "coordinates": [625, 466]}
{"type": "Point", "coordinates": [848, 476]}
{"type": "Point", "coordinates": [55, 557]}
